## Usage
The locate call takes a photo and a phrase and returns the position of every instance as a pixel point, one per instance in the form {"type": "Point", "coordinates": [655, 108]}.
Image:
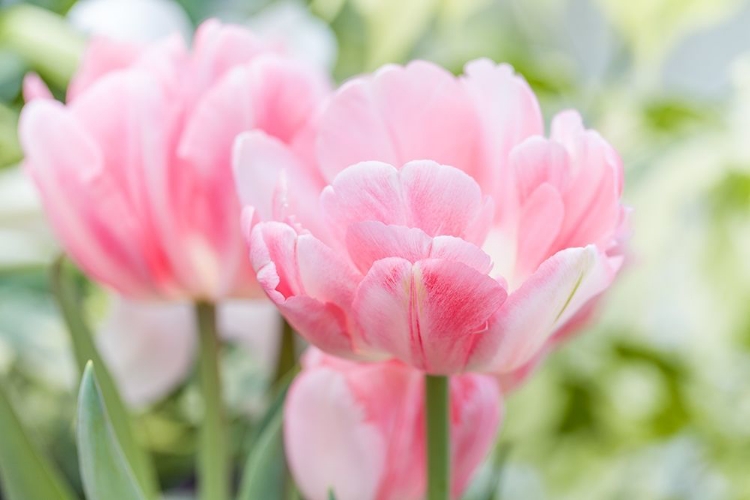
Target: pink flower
{"type": "Point", "coordinates": [358, 429]}
{"type": "Point", "coordinates": [135, 170]}
{"type": "Point", "coordinates": [453, 235]}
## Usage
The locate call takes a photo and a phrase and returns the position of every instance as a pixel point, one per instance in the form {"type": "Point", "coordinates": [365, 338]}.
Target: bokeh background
{"type": "Point", "coordinates": [652, 403]}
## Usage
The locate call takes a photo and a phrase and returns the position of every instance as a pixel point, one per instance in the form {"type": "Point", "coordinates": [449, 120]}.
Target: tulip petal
{"type": "Point", "coordinates": [102, 56]}
{"type": "Point", "coordinates": [329, 444]}
{"type": "Point", "coordinates": [509, 113]}
{"type": "Point", "coordinates": [272, 179]}
{"type": "Point", "coordinates": [259, 161]}
{"type": "Point", "coordinates": [370, 241]}
{"type": "Point", "coordinates": [442, 200]}
{"type": "Point", "coordinates": [308, 283]}
{"type": "Point", "coordinates": [149, 346]}
{"type": "Point", "coordinates": [79, 199]}
{"type": "Point", "coordinates": [592, 202]}
{"type": "Point", "coordinates": [271, 93]}
{"type": "Point", "coordinates": [219, 47]}
{"type": "Point", "coordinates": [550, 297]}
{"type": "Point", "coordinates": [476, 409]}
{"type": "Point", "coordinates": [539, 161]}
{"type": "Point", "coordinates": [439, 199]}
{"type": "Point", "coordinates": [538, 226]}
{"type": "Point", "coordinates": [35, 88]}
{"type": "Point", "coordinates": [398, 115]}
{"type": "Point", "coordinates": [427, 314]}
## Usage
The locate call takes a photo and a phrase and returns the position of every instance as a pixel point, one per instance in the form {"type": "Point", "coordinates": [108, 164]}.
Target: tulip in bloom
{"type": "Point", "coordinates": [357, 429]}
{"type": "Point", "coordinates": [135, 170]}
{"type": "Point", "coordinates": [453, 235]}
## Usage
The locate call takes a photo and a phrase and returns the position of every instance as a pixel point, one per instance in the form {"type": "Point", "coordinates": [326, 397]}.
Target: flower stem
{"type": "Point", "coordinates": [287, 356]}
{"type": "Point", "coordinates": [437, 410]}
{"type": "Point", "coordinates": [213, 457]}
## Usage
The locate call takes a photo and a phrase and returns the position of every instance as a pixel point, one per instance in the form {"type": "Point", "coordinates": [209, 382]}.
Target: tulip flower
{"type": "Point", "coordinates": [135, 170]}
{"type": "Point", "coordinates": [453, 235]}
{"type": "Point", "coordinates": [134, 173]}
{"type": "Point", "coordinates": [357, 429]}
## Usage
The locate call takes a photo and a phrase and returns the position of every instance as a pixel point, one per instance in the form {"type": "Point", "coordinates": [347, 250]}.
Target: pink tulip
{"type": "Point", "coordinates": [358, 429]}
{"type": "Point", "coordinates": [453, 235]}
{"type": "Point", "coordinates": [134, 170]}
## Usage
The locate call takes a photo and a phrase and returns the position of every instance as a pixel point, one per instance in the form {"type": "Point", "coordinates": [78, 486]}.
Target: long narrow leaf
{"type": "Point", "coordinates": [24, 472]}
{"type": "Point", "coordinates": [265, 473]}
{"type": "Point", "coordinates": [105, 470]}
{"type": "Point", "coordinates": [85, 350]}
{"type": "Point", "coordinates": [265, 470]}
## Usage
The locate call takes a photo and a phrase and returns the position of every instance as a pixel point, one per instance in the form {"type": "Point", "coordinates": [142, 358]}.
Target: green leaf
{"type": "Point", "coordinates": [265, 474]}
{"type": "Point", "coordinates": [105, 470]}
{"type": "Point", "coordinates": [331, 495]}
{"type": "Point", "coordinates": [266, 466]}
{"type": "Point", "coordinates": [24, 472]}
{"type": "Point", "coordinates": [85, 350]}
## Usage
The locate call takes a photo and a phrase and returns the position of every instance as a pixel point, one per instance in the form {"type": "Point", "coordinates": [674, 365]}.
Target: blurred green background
{"type": "Point", "coordinates": [653, 402]}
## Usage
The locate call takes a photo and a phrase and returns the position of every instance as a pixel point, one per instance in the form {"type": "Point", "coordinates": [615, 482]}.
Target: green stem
{"type": "Point", "coordinates": [213, 456]}
{"type": "Point", "coordinates": [437, 410]}
{"type": "Point", "coordinates": [285, 363]}
{"type": "Point", "coordinates": [287, 356]}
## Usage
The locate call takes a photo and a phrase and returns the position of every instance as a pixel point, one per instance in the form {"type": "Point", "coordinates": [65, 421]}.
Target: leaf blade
{"type": "Point", "coordinates": [265, 472]}
{"type": "Point", "coordinates": [105, 470]}
{"type": "Point", "coordinates": [24, 471]}
{"type": "Point", "coordinates": [84, 349]}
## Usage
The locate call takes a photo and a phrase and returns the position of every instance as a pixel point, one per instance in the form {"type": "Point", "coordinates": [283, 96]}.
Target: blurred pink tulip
{"type": "Point", "coordinates": [358, 429]}
{"type": "Point", "coordinates": [453, 236]}
{"type": "Point", "coordinates": [134, 171]}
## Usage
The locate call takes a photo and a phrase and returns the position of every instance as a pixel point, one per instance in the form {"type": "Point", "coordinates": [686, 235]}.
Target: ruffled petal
{"type": "Point", "coordinates": [508, 113]}
{"type": "Point", "coordinates": [438, 199]}
{"type": "Point", "coordinates": [427, 314]}
{"type": "Point", "coordinates": [550, 297]}
{"type": "Point", "coordinates": [398, 115]}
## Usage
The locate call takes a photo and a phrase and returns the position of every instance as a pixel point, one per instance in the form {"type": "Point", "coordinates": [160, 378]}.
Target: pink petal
{"type": "Point", "coordinates": [400, 114]}
{"type": "Point", "coordinates": [35, 88]}
{"type": "Point", "coordinates": [219, 47]}
{"type": "Point", "coordinates": [270, 93]}
{"type": "Point", "coordinates": [149, 346]}
{"type": "Point", "coordinates": [135, 156]}
{"type": "Point", "coordinates": [273, 248]}
{"type": "Point", "coordinates": [308, 284]}
{"type": "Point", "coordinates": [259, 162]}
{"type": "Point", "coordinates": [545, 301]}
{"type": "Point", "coordinates": [438, 199]}
{"type": "Point", "coordinates": [443, 200]}
{"type": "Point", "coordinates": [427, 314]}
{"type": "Point", "coordinates": [102, 56]}
{"type": "Point", "coordinates": [476, 409]}
{"type": "Point", "coordinates": [324, 275]}
{"type": "Point", "coordinates": [79, 199]}
{"type": "Point", "coordinates": [329, 442]}
{"type": "Point", "coordinates": [538, 226]}
{"type": "Point", "coordinates": [368, 191]}
{"type": "Point", "coordinates": [539, 161]}
{"type": "Point", "coordinates": [592, 201]}
{"type": "Point", "coordinates": [508, 112]}
{"type": "Point", "coordinates": [270, 177]}
{"type": "Point", "coordinates": [370, 241]}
